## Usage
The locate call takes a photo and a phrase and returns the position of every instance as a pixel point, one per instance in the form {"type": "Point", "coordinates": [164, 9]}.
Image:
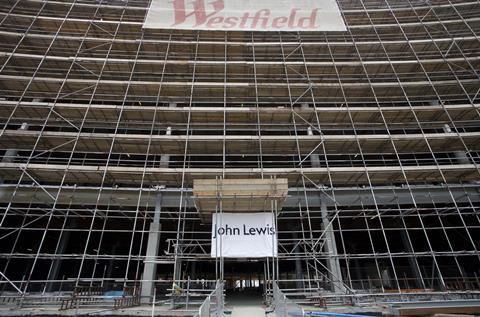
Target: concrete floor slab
{"type": "Point", "coordinates": [248, 311]}
{"type": "Point", "coordinates": [246, 304]}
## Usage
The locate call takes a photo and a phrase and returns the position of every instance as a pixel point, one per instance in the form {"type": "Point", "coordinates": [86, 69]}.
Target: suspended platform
{"type": "Point", "coordinates": [238, 195]}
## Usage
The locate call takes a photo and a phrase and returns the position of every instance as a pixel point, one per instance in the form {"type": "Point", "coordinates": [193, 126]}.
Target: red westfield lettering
{"type": "Point", "coordinates": [209, 14]}
{"type": "Point", "coordinates": [199, 11]}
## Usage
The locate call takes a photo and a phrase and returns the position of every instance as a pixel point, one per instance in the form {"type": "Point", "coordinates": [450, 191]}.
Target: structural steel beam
{"type": "Point", "coordinates": [344, 196]}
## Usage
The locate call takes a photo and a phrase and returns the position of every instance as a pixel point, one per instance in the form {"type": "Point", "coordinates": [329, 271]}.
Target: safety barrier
{"type": "Point", "coordinates": [213, 305]}
{"type": "Point", "coordinates": [284, 307]}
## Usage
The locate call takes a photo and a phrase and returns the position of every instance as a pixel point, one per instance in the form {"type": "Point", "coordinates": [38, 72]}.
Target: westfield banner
{"type": "Point", "coordinates": [244, 235]}
{"type": "Point", "coordinates": [245, 15]}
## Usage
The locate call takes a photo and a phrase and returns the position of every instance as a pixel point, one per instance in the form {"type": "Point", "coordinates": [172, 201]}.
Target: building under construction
{"type": "Point", "coordinates": [119, 142]}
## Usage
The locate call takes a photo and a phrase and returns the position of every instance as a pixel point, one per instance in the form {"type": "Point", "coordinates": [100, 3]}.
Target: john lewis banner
{"type": "Point", "coordinates": [245, 15]}
{"type": "Point", "coordinates": [243, 235]}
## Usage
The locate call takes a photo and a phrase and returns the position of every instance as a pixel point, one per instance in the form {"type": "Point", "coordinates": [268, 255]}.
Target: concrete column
{"type": "Point", "coordinates": [412, 261]}
{"type": "Point", "coordinates": [9, 157]}
{"type": "Point", "coordinates": [54, 273]}
{"type": "Point", "coordinates": [10, 154]}
{"type": "Point", "coordinates": [165, 158]}
{"type": "Point", "coordinates": [461, 156]}
{"type": "Point", "coordinates": [111, 266]}
{"type": "Point", "coordinates": [298, 264]}
{"type": "Point", "coordinates": [193, 270]}
{"type": "Point", "coordinates": [149, 267]}
{"type": "Point", "coordinates": [356, 266]}
{"type": "Point", "coordinates": [177, 275]}
{"type": "Point", "coordinates": [314, 158]}
{"type": "Point", "coordinates": [333, 264]}
{"type": "Point", "coordinates": [305, 105]}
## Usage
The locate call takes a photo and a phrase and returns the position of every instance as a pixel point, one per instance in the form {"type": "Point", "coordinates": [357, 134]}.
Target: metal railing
{"type": "Point", "coordinates": [284, 307]}
{"type": "Point", "coordinates": [213, 305]}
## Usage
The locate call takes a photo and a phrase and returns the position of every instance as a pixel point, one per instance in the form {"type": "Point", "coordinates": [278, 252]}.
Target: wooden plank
{"type": "Point", "coordinates": [238, 195]}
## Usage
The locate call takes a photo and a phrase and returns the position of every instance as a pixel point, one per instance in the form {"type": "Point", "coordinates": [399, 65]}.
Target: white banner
{"type": "Point", "coordinates": [243, 235]}
{"type": "Point", "coordinates": [245, 15]}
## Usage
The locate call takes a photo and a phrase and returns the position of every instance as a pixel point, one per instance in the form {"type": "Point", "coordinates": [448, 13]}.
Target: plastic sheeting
{"type": "Point", "coordinates": [243, 235]}
{"type": "Point", "coordinates": [245, 15]}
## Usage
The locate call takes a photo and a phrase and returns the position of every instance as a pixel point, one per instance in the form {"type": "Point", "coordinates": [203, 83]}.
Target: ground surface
{"type": "Point", "coordinates": [246, 304]}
